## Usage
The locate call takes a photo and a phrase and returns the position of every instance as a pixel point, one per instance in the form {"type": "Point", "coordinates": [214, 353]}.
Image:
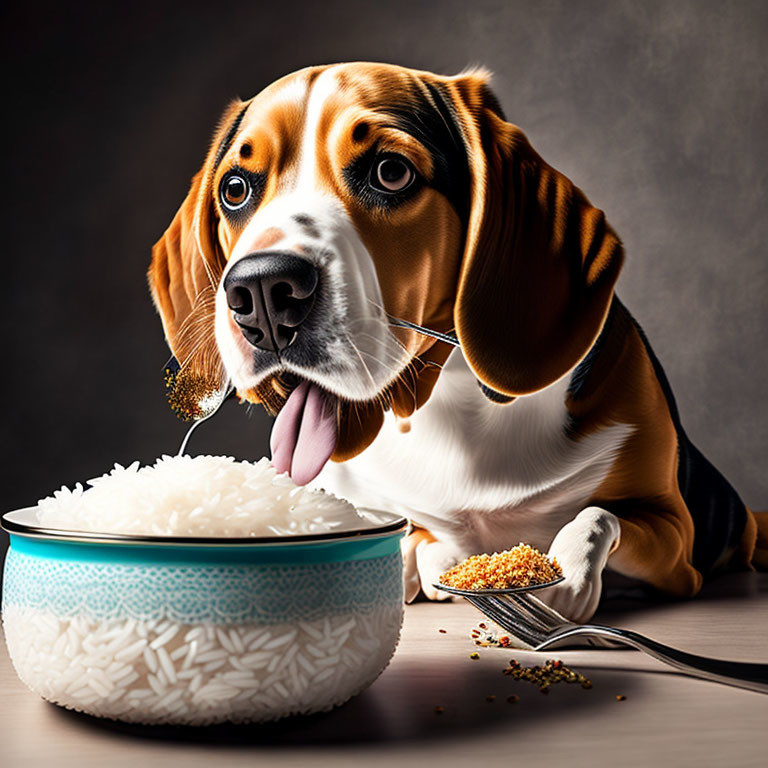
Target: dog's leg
{"type": "Point", "coordinates": [410, 568]}
{"type": "Point", "coordinates": [582, 548]}
{"type": "Point", "coordinates": [655, 548]}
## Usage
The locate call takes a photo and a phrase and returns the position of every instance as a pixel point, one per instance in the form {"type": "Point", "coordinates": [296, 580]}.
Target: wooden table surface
{"type": "Point", "coordinates": [665, 720]}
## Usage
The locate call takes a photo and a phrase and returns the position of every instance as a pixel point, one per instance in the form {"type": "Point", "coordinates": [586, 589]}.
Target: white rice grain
{"type": "Point", "coordinates": [190, 657]}
{"type": "Point", "coordinates": [166, 664]}
{"type": "Point", "coordinates": [162, 639]}
{"type": "Point", "coordinates": [219, 653]}
{"type": "Point", "coordinates": [179, 653]}
{"type": "Point", "coordinates": [150, 659]}
{"type": "Point", "coordinates": [154, 684]}
{"type": "Point", "coordinates": [132, 651]}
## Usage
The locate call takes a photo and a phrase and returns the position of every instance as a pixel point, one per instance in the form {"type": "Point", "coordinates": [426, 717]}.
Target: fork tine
{"type": "Point", "coordinates": [482, 605]}
{"type": "Point", "coordinates": [519, 617]}
{"type": "Point", "coordinates": [547, 617]}
{"type": "Point", "coordinates": [522, 611]}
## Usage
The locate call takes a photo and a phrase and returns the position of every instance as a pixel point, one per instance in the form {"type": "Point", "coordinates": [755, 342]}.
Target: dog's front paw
{"type": "Point", "coordinates": [577, 597]}
{"type": "Point", "coordinates": [424, 560]}
{"type": "Point", "coordinates": [581, 548]}
{"type": "Point", "coordinates": [433, 558]}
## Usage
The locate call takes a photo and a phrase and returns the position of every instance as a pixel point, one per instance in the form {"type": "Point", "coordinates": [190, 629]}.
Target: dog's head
{"type": "Point", "coordinates": [343, 194]}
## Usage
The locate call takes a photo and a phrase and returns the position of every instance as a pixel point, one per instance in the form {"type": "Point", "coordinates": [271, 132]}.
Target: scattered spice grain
{"type": "Point", "coordinates": [474, 656]}
{"type": "Point", "coordinates": [620, 697]}
{"type": "Point", "coordinates": [487, 638]}
{"type": "Point", "coordinates": [550, 673]}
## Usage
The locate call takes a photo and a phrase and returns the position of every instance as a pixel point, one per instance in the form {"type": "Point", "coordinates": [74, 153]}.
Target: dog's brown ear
{"type": "Point", "coordinates": [540, 261]}
{"type": "Point", "coordinates": [187, 261]}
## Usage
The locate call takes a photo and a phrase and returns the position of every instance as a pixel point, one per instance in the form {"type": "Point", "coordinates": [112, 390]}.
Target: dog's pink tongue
{"type": "Point", "coordinates": [304, 434]}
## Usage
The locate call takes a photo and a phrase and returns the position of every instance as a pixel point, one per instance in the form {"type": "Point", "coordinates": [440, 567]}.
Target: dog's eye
{"type": "Point", "coordinates": [235, 192]}
{"type": "Point", "coordinates": [392, 174]}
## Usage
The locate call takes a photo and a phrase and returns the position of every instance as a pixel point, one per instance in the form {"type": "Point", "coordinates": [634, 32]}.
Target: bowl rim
{"type": "Point", "coordinates": [397, 524]}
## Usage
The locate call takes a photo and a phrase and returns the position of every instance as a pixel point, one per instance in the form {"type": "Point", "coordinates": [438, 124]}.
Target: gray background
{"type": "Point", "coordinates": [657, 110]}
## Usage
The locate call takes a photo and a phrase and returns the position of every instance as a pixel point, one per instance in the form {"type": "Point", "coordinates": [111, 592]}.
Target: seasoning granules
{"type": "Point", "coordinates": [551, 672]}
{"type": "Point", "coordinates": [486, 638]}
{"type": "Point", "coordinates": [190, 395]}
{"type": "Point", "coordinates": [521, 566]}
{"type": "Point", "coordinates": [543, 676]}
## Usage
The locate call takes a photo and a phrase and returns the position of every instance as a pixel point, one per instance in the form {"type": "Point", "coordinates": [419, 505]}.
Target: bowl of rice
{"type": "Point", "coordinates": [200, 590]}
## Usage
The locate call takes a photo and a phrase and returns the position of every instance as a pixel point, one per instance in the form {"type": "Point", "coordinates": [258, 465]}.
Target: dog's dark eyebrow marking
{"type": "Point", "coordinates": [431, 118]}
{"type": "Point", "coordinates": [308, 224]}
{"type": "Point", "coordinates": [360, 131]}
{"type": "Point", "coordinates": [246, 150]}
{"type": "Point", "coordinates": [227, 140]}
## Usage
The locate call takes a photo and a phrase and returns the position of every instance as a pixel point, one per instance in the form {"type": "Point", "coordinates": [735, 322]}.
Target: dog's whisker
{"type": "Point", "coordinates": [384, 397]}
{"type": "Point", "coordinates": [410, 388]}
{"type": "Point", "coordinates": [362, 362]}
{"type": "Point", "coordinates": [210, 270]}
{"type": "Point", "coordinates": [396, 322]}
{"type": "Point", "coordinates": [397, 368]}
{"type": "Point", "coordinates": [378, 339]}
{"type": "Point", "coordinates": [398, 360]}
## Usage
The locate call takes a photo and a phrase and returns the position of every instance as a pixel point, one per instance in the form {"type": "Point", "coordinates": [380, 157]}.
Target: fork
{"type": "Point", "coordinates": [537, 627]}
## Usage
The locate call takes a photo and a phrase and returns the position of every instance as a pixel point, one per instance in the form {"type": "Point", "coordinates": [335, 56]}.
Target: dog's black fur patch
{"type": "Point", "coordinates": [226, 142]}
{"type": "Point", "coordinates": [719, 515]}
{"type": "Point", "coordinates": [493, 395]}
{"type": "Point", "coordinates": [308, 224]}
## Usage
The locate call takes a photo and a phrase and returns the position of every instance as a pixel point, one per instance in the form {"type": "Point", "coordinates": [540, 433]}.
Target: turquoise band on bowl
{"type": "Point", "coordinates": [228, 582]}
{"type": "Point", "coordinates": [262, 554]}
{"type": "Point", "coordinates": [215, 593]}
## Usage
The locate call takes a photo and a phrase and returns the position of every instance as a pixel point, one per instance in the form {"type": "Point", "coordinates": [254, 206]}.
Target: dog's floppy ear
{"type": "Point", "coordinates": [540, 261]}
{"type": "Point", "coordinates": [187, 261]}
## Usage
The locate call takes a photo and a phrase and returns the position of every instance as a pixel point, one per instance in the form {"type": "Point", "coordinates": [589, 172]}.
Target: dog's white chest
{"type": "Point", "coordinates": [485, 474]}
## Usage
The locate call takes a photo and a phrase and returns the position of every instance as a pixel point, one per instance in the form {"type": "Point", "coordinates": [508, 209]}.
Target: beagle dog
{"type": "Point", "coordinates": [346, 195]}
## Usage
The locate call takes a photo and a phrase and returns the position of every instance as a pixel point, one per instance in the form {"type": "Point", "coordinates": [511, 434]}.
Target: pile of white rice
{"type": "Point", "coordinates": [214, 496]}
{"type": "Point", "coordinates": [162, 671]}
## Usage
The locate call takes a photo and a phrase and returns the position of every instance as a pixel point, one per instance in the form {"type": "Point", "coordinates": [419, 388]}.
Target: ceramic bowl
{"type": "Point", "coordinates": [155, 629]}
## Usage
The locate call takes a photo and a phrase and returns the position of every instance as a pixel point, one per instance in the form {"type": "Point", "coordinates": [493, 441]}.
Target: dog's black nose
{"type": "Point", "coordinates": [270, 295]}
